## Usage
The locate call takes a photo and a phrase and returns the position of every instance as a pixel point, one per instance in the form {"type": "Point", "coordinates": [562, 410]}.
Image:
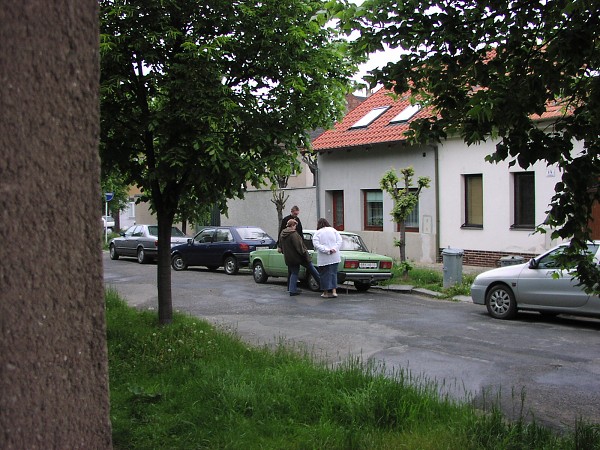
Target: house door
{"type": "Point", "coordinates": [338, 210]}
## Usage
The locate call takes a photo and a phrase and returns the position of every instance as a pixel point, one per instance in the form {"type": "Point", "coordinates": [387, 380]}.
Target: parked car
{"type": "Point", "coordinates": [141, 241]}
{"type": "Point", "coordinates": [538, 285]}
{"type": "Point", "coordinates": [227, 247]}
{"type": "Point", "coordinates": [108, 222]}
{"type": "Point", "coordinates": [358, 265]}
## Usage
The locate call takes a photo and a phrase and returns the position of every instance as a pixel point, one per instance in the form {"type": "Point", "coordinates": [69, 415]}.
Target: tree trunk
{"type": "Point", "coordinates": [403, 245]}
{"type": "Point", "coordinates": [165, 300]}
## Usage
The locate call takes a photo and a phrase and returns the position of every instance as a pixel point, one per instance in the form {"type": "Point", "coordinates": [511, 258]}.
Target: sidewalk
{"type": "Point", "coordinates": [408, 289]}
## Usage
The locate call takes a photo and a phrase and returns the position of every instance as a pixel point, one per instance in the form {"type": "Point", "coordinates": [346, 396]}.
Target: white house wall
{"type": "Point", "coordinates": [456, 160]}
{"type": "Point", "coordinates": [361, 169]}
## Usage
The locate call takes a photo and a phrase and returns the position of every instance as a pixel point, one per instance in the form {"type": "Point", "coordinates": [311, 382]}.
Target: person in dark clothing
{"type": "Point", "coordinates": [295, 211]}
{"type": "Point", "coordinates": [295, 254]}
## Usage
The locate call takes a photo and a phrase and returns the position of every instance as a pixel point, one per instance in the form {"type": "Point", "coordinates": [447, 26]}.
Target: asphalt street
{"type": "Point", "coordinates": [553, 363]}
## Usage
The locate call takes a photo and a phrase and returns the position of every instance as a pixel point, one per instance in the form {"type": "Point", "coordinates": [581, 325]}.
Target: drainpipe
{"type": "Point", "coordinates": [437, 200]}
{"type": "Point", "coordinates": [316, 175]}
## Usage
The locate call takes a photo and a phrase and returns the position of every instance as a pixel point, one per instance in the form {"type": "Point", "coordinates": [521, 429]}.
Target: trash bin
{"type": "Point", "coordinates": [452, 259]}
{"type": "Point", "coordinates": [511, 260]}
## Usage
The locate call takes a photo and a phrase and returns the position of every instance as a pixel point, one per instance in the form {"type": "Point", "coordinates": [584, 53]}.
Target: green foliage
{"type": "Point", "coordinates": [199, 98]}
{"type": "Point", "coordinates": [405, 199]}
{"type": "Point", "coordinates": [191, 385]}
{"type": "Point", "coordinates": [114, 182]}
{"type": "Point", "coordinates": [489, 71]}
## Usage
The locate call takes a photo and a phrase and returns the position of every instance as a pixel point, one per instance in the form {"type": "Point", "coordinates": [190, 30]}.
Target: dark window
{"type": "Point", "coordinates": [338, 210]}
{"type": "Point", "coordinates": [524, 201]}
{"type": "Point", "coordinates": [473, 201]}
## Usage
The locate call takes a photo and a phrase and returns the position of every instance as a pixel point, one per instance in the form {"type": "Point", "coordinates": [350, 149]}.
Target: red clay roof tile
{"type": "Point", "coordinates": [381, 130]}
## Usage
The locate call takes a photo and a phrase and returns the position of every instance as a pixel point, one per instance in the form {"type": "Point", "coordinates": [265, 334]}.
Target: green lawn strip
{"type": "Point", "coordinates": [190, 386]}
{"type": "Point", "coordinates": [431, 279]}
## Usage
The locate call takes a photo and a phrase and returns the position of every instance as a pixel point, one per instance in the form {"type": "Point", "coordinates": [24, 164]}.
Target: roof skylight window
{"type": "Point", "coordinates": [406, 113]}
{"type": "Point", "coordinates": [370, 117]}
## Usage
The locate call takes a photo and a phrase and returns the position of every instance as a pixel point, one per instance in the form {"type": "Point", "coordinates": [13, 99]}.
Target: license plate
{"type": "Point", "coordinates": [367, 265]}
{"type": "Point", "coordinates": [258, 247]}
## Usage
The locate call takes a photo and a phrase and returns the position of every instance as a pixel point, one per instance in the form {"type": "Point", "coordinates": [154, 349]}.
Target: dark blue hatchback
{"type": "Point", "coordinates": [227, 247]}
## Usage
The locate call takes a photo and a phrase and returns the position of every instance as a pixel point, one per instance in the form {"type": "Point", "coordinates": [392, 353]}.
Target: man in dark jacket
{"type": "Point", "coordinates": [295, 211]}
{"type": "Point", "coordinates": [295, 254]}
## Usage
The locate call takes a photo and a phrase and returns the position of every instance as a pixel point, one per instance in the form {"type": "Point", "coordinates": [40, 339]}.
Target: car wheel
{"type": "Point", "coordinates": [177, 262]}
{"type": "Point", "coordinates": [113, 252]}
{"type": "Point", "coordinates": [312, 283]}
{"type": "Point", "coordinates": [361, 286]}
{"type": "Point", "coordinates": [258, 271]}
{"type": "Point", "coordinates": [500, 302]}
{"type": "Point", "coordinates": [141, 255]}
{"type": "Point", "coordinates": [231, 265]}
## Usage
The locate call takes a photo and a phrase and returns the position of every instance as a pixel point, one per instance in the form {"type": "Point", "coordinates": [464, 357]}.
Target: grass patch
{"type": "Point", "coordinates": [192, 386]}
{"type": "Point", "coordinates": [427, 278]}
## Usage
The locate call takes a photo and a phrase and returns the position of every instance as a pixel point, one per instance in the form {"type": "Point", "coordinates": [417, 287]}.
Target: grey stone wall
{"type": "Point", "coordinates": [257, 209]}
{"type": "Point", "coordinates": [53, 358]}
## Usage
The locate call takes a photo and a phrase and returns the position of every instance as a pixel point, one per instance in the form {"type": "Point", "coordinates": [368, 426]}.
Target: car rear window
{"type": "Point", "coordinates": [253, 234]}
{"type": "Point", "coordinates": [353, 243]}
{"type": "Point", "coordinates": [176, 232]}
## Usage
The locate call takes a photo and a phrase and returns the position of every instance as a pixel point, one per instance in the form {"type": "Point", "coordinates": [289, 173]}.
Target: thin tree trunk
{"type": "Point", "coordinates": [165, 300]}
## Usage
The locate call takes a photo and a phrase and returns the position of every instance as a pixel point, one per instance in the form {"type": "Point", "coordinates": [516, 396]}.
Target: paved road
{"type": "Point", "coordinates": [554, 362]}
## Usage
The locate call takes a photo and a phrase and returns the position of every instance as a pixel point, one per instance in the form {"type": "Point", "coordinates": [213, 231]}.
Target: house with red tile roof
{"type": "Point", "coordinates": [489, 211]}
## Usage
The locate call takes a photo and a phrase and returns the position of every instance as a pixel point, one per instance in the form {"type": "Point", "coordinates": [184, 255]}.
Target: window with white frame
{"type": "Point", "coordinates": [406, 114]}
{"type": "Point", "coordinates": [373, 209]}
{"type": "Point", "coordinates": [411, 223]}
{"type": "Point", "coordinates": [370, 117]}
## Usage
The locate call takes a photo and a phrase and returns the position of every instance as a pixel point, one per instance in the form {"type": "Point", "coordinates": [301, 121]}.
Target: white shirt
{"type": "Point", "coordinates": [325, 240]}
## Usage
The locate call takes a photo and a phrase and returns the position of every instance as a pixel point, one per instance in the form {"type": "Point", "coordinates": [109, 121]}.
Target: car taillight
{"type": "Point", "coordinates": [244, 247]}
{"type": "Point", "coordinates": [156, 243]}
{"type": "Point", "coordinates": [385, 264]}
{"type": "Point", "coordinates": [349, 264]}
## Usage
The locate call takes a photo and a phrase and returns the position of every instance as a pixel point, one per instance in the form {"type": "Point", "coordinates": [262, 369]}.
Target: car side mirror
{"type": "Point", "coordinates": [533, 263]}
{"type": "Point", "coordinates": [190, 241]}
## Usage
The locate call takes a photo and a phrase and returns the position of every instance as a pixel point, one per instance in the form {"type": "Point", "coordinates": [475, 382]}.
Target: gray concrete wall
{"type": "Point", "coordinates": [256, 209]}
{"type": "Point", "coordinates": [53, 357]}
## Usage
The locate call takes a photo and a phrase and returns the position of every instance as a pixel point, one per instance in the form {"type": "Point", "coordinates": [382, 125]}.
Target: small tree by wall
{"type": "Point", "coordinates": [405, 199]}
{"type": "Point", "coordinates": [279, 198]}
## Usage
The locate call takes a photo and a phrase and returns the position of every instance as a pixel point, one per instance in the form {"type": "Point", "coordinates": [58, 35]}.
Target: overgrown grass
{"type": "Point", "coordinates": [191, 386]}
{"type": "Point", "coordinates": [107, 238]}
{"type": "Point", "coordinates": [431, 279]}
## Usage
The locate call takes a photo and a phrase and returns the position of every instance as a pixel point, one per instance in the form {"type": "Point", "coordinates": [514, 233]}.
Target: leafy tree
{"type": "Point", "coordinates": [405, 199]}
{"type": "Point", "coordinates": [489, 70]}
{"type": "Point", "coordinates": [193, 211]}
{"type": "Point", "coordinates": [200, 97]}
{"type": "Point", "coordinates": [113, 182]}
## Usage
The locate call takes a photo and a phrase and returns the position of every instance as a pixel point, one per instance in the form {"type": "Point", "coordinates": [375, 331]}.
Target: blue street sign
{"type": "Point", "coordinates": [109, 196]}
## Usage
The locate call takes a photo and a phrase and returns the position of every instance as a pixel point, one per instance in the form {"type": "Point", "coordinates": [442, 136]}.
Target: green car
{"type": "Point", "coordinates": [358, 265]}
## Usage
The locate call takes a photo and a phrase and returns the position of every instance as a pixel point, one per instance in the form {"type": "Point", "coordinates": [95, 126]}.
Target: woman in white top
{"type": "Point", "coordinates": [327, 242]}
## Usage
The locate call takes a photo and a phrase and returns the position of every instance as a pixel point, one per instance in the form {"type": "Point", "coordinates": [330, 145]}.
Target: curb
{"type": "Point", "coordinates": [408, 289]}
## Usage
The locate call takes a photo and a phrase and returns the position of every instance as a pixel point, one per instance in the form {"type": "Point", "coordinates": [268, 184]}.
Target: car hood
{"type": "Point", "coordinates": [503, 272]}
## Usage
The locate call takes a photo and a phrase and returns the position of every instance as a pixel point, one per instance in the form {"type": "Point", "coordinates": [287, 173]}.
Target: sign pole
{"type": "Point", "coordinates": [108, 196]}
